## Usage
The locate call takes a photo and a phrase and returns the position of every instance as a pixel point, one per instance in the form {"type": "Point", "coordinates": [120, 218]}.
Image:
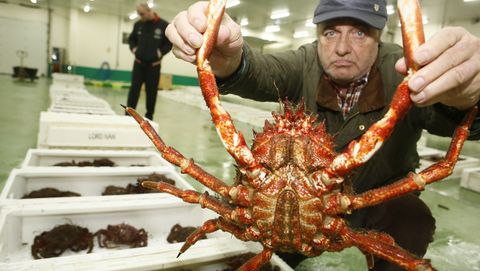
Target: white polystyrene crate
{"type": "Point", "coordinates": [93, 108]}
{"type": "Point", "coordinates": [426, 151]}
{"type": "Point", "coordinates": [62, 130]}
{"type": "Point", "coordinates": [221, 264]}
{"type": "Point", "coordinates": [471, 179]}
{"type": "Point", "coordinates": [463, 162]}
{"type": "Point", "coordinates": [89, 182]}
{"type": "Point", "coordinates": [422, 142]}
{"type": "Point", "coordinates": [65, 77]}
{"type": "Point", "coordinates": [57, 93]}
{"type": "Point", "coordinates": [67, 85]}
{"type": "Point", "coordinates": [20, 224]}
{"type": "Point", "coordinates": [80, 101]}
{"type": "Point", "coordinates": [48, 158]}
{"type": "Point", "coordinates": [88, 111]}
{"type": "Point", "coordinates": [61, 89]}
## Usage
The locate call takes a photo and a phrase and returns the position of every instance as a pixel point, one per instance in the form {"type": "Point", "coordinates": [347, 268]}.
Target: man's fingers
{"type": "Point", "coordinates": [229, 40]}
{"type": "Point", "coordinates": [196, 16]}
{"type": "Point", "coordinates": [449, 60]}
{"type": "Point", "coordinates": [187, 32]}
{"type": "Point", "coordinates": [438, 44]}
{"type": "Point", "coordinates": [177, 40]}
{"type": "Point", "coordinates": [401, 66]}
{"type": "Point", "coordinates": [181, 55]}
{"type": "Point", "coordinates": [450, 82]}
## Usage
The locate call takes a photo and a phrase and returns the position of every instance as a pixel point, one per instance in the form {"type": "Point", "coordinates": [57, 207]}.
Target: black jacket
{"type": "Point", "coordinates": [149, 38]}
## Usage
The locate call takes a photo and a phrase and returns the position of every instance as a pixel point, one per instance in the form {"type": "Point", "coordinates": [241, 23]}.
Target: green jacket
{"type": "Point", "coordinates": [298, 73]}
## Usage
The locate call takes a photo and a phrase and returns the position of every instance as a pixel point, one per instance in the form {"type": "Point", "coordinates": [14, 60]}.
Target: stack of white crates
{"type": "Point", "coordinates": [68, 95]}
{"type": "Point", "coordinates": [78, 129]}
{"type": "Point", "coordinates": [471, 179]}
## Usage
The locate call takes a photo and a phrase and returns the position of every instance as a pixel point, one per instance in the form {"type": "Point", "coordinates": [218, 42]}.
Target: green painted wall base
{"type": "Point", "coordinates": [101, 74]}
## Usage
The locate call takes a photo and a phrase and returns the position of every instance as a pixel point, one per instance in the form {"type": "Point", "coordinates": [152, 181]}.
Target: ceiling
{"type": "Point", "coordinates": [258, 11]}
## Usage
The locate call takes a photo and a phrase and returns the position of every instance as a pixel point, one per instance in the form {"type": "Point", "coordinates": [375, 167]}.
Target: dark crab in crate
{"type": "Point", "coordinates": [290, 195]}
{"type": "Point", "coordinates": [56, 241]}
{"type": "Point", "coordinates": [121, 234]}
{"type": "Point", "coordinates": [103, 162]}
{"type": "Point", "coordinates": [137, 188]}
{"type": "Point", "coordinates": [49, 192]}
{"type": "Point", "coordinates": [179, 234]}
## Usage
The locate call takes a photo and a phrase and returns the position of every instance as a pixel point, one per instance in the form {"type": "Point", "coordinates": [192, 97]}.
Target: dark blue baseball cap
{"type": "Point", "coordinates": [371, 12]}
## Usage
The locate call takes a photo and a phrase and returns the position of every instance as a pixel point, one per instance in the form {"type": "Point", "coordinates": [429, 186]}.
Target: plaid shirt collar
{"type": "Point", "coordinates": [348, 96]}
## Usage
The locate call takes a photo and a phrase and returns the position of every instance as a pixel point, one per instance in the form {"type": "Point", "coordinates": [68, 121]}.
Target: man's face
{"type": "Point", "coordinates": [347, 49]}
{"type": "Point", "coordinates": [144, 14]}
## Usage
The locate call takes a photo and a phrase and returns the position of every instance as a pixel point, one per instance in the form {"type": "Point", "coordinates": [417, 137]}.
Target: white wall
{"type": "Point", "coordinates": [89, 38]}
{"type": "Point", "coordinates": [23, 29]}
{"type": "Point", "coordinates": [93, 39]}
{"type": "Point", "coordinates": [23, 13]}
{"type": "Point", "coordinates": [59, 27]}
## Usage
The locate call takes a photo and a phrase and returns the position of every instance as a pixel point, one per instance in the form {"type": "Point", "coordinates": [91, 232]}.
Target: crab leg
{"type": "Point", "coordinates": [415, 182]}
{"type": "Point", "coordinates": [234, 141]}
{"type": "Point", "coordinates": [213, 225]}
{"type": "Point", "coordinates": [378, 244]}
{"type": "Point", "coordinates": [257, 261]}
{"type": "Point", "coordinates": [173, 156]}
{"type": "Point", "coordinates": [241, 215]}
{"type": "Point", "coordinates": [358, 153]}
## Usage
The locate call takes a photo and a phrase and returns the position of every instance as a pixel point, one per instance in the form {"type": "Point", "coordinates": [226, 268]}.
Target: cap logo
{"type": "Point", "coordinates": [376, 7]}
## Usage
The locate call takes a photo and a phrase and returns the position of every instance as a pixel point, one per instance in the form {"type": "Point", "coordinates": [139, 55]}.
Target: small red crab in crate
{"type": "Point", "coordinates": [289, 195]}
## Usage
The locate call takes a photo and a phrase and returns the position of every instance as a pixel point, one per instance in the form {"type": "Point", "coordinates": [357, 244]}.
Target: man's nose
{"type": "Point", "coordinates": [343, 46]}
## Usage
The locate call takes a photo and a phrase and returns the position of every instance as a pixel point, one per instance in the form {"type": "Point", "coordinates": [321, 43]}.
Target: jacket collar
{"type": "Point", "coordinates": [372, 96]}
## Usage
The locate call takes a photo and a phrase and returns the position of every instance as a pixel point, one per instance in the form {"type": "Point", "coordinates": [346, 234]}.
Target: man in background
{"type": "Point", "coordinates": [149, 44]}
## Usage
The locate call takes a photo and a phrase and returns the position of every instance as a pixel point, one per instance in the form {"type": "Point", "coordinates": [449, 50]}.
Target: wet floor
{"type": "Point", "coordinates": [189, 130]}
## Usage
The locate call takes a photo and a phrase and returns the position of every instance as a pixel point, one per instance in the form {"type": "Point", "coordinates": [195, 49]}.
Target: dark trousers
{"type": "Point", "coordinates": [407, 219]}
{"type": "Point", "coordinates": [150, 75]}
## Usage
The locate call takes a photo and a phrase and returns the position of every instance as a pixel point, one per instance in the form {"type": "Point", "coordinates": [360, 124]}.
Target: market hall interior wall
{"type": "Point", "coordinates": [89, 38]}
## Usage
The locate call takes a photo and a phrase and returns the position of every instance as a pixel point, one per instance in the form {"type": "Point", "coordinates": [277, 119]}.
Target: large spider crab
{"type": "Point", "coordinates": [289, 197]}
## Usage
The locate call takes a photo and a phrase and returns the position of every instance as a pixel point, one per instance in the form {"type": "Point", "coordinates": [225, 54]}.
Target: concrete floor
{"type": "Point", "coordinates": [457, 239]}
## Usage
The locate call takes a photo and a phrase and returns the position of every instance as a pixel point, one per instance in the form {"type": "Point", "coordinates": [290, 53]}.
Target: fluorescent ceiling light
{"type": "Point", "coordinates": [150, 4]}
{"type": "Point", "coordinates": [390, 9]}
{"type": "Point", "coordinates": [301, 34]}
{"type": "Point", "coordinates": [272, 28]}
{"type": "Point", "coordinates": [232, 3]}
{"type": "Point", "coordinates": [87, 8]}
{"type": "Point", "coordinates": [309, 23]}
{"type": "Point", "coordinates": [33, 1]}
{"type": "Point", "coordinates": [277, 14]}
{"type": "Point", "coordinates": [244, 22]}
{"type": "Point", "coordinates": [470, 0]}
{"type": "Point", "coordinates": [133, 16]}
